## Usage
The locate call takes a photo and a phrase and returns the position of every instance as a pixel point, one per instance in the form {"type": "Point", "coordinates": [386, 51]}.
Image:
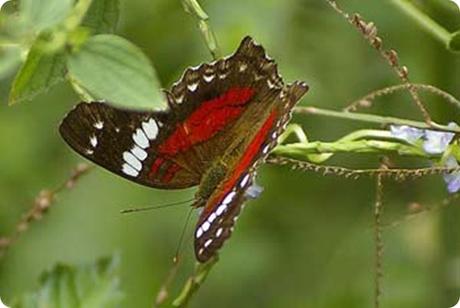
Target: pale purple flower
{"type": "Point", "coordinates": [253, 191]}
{"type": "Point", "coordinates": [452, 179]}
{"type": "Point", "coordinates": [406, 133]}
{"type": "Point", "coordinates": [436, 142]}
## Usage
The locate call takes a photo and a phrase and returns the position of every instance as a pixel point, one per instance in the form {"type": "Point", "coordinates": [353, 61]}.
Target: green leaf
{"type": "Point", "coordinates": [454, 42]}
{"type": "Point", "coordinates": [43, 14]}
{"type": "Point", "coordinates": [111, 68]}
{"type": "Point", "coordinates": [90, 286]}
{"type": "Point", "coordinates": [39, 73]}
{"type": "Point", "coordinates": [102, 16]}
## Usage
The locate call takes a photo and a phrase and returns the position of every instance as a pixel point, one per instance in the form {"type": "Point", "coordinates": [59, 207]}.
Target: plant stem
{"type": "Point", "coordinates": [371, 118]}
{"type": "Point", "coordinates": [193, 8]}
{"type": "Point", "coordinates": [423, 20]}
{"type": "Point", "coordinates": [194, 282]}
{"type": "Point", "coordinates": [77, 15]}
{"type": "Point", "coordinates": [301, 150]}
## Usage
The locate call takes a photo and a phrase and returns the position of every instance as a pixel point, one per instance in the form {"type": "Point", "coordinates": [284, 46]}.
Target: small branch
{"type": "Point", "coordinates": [370, 118]}
{"type": "Point", "coordinates": [415, 209]}
{"type": "Point", "coordinates": [42, 203]}
{"type": "Point", "coordinates": [398, 174]}
{"type": "Point", "coordinates": [378, 241]}
{"type": "Point", "coordinates": [193, 8]}
{"type": "Point", "coordinates": [369, 32]}
{"type": "Point", "coordinates": [194, 282]}
{"type": "Point", "coordinates": [367, 100]}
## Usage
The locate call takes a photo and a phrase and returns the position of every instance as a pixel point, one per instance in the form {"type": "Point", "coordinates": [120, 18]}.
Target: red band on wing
{"type": "Point", "coordinates": [172, 170]}
{"type": "Point", "coordinates": [155, 166]}
{"type": "Point", "coordinates": [245, 162]}
{"type": "Point", "coordinates": [211, 117]}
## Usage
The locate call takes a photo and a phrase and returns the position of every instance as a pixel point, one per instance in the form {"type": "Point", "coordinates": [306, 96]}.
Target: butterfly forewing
{"type": "Point", "coordinates": [124, 142]}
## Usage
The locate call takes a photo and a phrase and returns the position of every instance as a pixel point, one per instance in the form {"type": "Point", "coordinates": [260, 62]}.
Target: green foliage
{"type": "Point", "coordinates": [112, 68]}
{"type": "Point", "coordinates": [454, 43]}
{"type": "Point", "coordinates": [102, 16]}
{"type": "Point", "coordinates": [90, 286]}
{"type": "Point", "coordinates": [107, 66]}
{"type": "Point", "coordinates": [39, 14]}
{"type": "Point", "coordinates": [39, 73]}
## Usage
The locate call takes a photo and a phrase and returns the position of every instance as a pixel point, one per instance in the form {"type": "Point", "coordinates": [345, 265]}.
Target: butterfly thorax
{"type": "Point", "coordinates": [209, 182]}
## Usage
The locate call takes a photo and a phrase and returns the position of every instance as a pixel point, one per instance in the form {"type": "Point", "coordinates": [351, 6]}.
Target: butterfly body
{"type": "Point", "coordinates": [223, 119]}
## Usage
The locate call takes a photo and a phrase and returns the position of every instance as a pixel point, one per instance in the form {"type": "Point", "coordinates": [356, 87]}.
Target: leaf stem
{"type": "Point", "coordinates": [301, 150]}
{"type": "Point", "coordinates": [423, 20]}
{"type": "Point", "coordinates": [371, 118]}
{"type": "Point", "coordinates": [193, 8]}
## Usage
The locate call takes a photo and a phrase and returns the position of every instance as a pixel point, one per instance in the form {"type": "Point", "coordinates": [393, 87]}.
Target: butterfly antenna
{"type": "Point", "coordinates": [154, 207]}
{"type": "Point", "coordinates": [164, 290]}
{"type": "Point", "coordinates": [182, 235]}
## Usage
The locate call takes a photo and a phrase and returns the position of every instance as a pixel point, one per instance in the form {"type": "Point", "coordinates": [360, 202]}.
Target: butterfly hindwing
{"type": "Point", "coordinates": [223, 206]}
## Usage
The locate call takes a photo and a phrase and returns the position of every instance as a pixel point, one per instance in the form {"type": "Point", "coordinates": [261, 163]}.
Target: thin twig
{"type": "Point", "coordinates": [415, 209]}
{"type": "Point", "coordinates": [378, 241]}
{"type": "Point", "coordinates": [372, 118]}
{"type": "Point", "coordinates": [369, 31]}
{"type": "Point", "coordinates": [367, 100]}
{"type": "Point", "coordinates": [398, 174]}
{"type": "Point", "coordinates": [42, 203]}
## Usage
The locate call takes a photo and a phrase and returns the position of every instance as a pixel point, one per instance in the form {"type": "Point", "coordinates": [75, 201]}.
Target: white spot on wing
{"type": "Point", "coordinates": [139, 153]}
{"type": "Point", "coordinates": [98, 125]}
{"type": "Point", "coordinates": [93, 141]}
{"type": "Point", "coordinates": [192, 87]}
{"type": "Point", "coordinates": [127, 169]}
{"type": "Point", "coordinates": [89, 151]}
{"type": "Point", "coordinates": [132, 160]}
{"type": "Point", "coordinates": [243, 67]}
{"type": "Point", "coordinates": [207, 243]}
{"type": "Point", "coordinates": [140, 138]}
{"type": "Point", "coordinates": [245, 180]}
{"type": "Point", "coordinates": [208, 78]}
{"type": "Point", "coordinates": [205, 226]}
{"type": "Point", "coordinates": [228, 198]}
{"type": "Point", "coordinates": [219, 232]}
{"type": "Point", "coordinates": [150, 129]}
{"type": "Point", "coordinates": [199, 233]}
{"type": "Point", "coordinates": [211, 217]}
{"type": "Point", "coordinates": [266, 149]}
{"type": "Point", "coordinates": [221, 209]}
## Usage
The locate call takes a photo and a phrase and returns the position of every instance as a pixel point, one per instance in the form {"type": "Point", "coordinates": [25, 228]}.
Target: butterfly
{"type": "Point", "coordinates": [222, 121]}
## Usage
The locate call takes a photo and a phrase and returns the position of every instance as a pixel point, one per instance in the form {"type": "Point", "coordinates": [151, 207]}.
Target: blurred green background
{"type": "Point", "coordinates": [308, 240]}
